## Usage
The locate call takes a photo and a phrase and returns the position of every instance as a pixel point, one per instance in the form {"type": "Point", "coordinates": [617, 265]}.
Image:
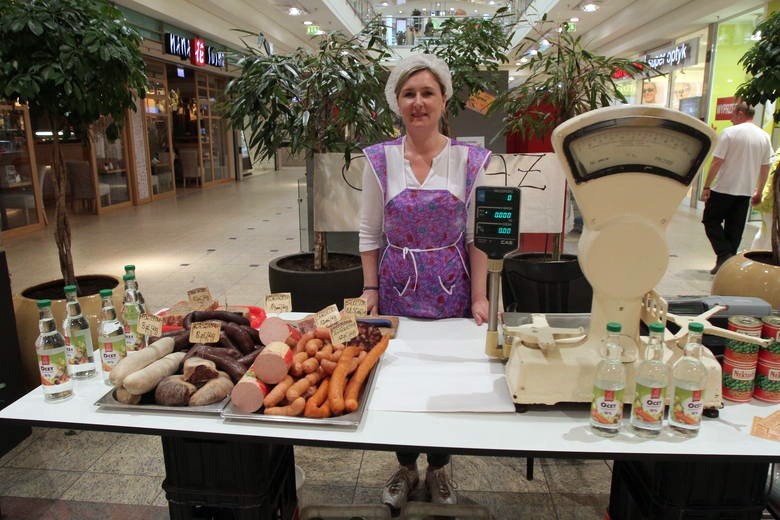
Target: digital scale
{"type": "Point", "coordinates": [629, 167]}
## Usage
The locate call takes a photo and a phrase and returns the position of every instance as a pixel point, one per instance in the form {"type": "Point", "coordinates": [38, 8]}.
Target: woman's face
{"type": "Point", "coordinates": [648, 93]}
{"type": "Point", "coordinates": [421, 101]}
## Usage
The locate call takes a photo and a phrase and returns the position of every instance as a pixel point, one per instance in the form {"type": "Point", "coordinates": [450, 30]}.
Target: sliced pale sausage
{"type": "Point", "coordinates": [248, 394]}
{"type": "Point", "coordinates": [273, 363]}
{"type": "Point", "coordinates": [275, 329]}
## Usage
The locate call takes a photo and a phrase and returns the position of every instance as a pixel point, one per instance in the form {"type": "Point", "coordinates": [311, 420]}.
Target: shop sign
{"type": "Point", "coordinates": [194, 50]}
{"type": "Point", "coordinates": [724, 108]}
{"type": "Point", "coordinates": [677, 56]}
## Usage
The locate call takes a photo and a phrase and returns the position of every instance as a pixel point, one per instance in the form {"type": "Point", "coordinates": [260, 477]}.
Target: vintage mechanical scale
{"type": "Point", "coordinates": [629, 167]}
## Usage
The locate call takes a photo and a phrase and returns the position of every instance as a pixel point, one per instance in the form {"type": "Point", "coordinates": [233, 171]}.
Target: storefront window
{"type": "Point", "coordinates": [18, 203]}
{"type": "Point", "coordinates": [158, 104]}
{"type": "Point", "coordinates": [181, 85]}
{"type": "Point", "coordinates": [688, 81]}
{"type": "Point", "coordinates": [110, 157]}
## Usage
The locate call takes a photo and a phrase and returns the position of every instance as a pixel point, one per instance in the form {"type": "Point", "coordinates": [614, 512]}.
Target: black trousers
{"type": "Point", "coordinates": [724, 221]}
{"type": "Point", "coordinates": [436, 460]}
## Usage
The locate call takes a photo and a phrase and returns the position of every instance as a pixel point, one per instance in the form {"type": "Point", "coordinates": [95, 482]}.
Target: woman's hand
{"type": "Point", "coordinates": [372, 299]}
{"type": "Point", "coordinates": [480, 308]}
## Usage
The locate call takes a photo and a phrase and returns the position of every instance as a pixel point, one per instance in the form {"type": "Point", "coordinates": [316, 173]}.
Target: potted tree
{"type": "Point", "coordinates": [72, 62]}
{"type": "Point", "coordinates": [562, 79]}
{"type": "Point", "coordinates": [757, 273]}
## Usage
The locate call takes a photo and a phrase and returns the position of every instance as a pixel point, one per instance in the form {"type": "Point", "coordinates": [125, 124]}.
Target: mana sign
{"type": "Point", "coordinates": [193, 49]}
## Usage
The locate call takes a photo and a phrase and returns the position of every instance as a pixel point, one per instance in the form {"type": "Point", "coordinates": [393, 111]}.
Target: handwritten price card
{"type": "Point", "coordinates": [205, 332]}
{"type": "Point", "coordinates": [278, 302]}
{"type": "Point", "coordinates": [150, 325]}
{"type": "Point", "coordinates": [344, 330]}
{"type": "Point", "coordinates": [200, 298]}
{"type": "Point", "coordinates": [327, 316]}
{"type": "Point", "coordinates": [355, 306]}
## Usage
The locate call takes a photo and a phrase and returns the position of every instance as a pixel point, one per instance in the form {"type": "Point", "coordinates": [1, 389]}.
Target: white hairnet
{"type": "Point", "coordinates": [417, 61]}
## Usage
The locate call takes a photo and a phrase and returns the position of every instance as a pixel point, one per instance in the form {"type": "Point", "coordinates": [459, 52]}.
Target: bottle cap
{"type": "Point", "coordinates": [106, 293]}
{"type": "Point", "coordinates": [129, 267]}
{"type": "Point", "coordinates": [613, 327]}
{"type": "Point", "coordinates": [43, 303]}
{"type": "Point", "coordinates": [657, 327]}
{"type": "Point", "coordinates": [695, 327]}
{"type": "Point", "coordinates": [70, 288]}
{"type": "Point", "coordinates": [128, 277]}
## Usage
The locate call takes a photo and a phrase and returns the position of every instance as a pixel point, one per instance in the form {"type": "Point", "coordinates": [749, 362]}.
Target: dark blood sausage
{"type": "Point", "coordinates": [252, 333]}
{"type": "Point", "coordinates": [187, 321]}
{"type": "Point", "coordinates": [227, 344]}
{"type": "Point", "coordinates": [182, 341]}
{"type": "Point", "coordinates": [167, 334]}
{"type": "Point", "coordinates": [215, 315]}
{"type": "Point", "coordinates": [240, 337]}
{"type": "Point", "coordinates": [250, 358]}
{"type": "Point", "coordinates": [220, 358]}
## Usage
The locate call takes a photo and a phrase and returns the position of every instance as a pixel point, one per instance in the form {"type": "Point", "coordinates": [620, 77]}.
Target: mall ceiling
{"type": "Point", "coordinates": [618, 27]}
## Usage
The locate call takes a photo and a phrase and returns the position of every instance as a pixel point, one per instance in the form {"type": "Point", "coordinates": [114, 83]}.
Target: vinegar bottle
{"type": "Point", "coordinates": [111, 336]}
{"type": "Point", "coordinates": [130, 314]}
{"type": "Point", "coordinates": [130, 269]}
{"type": "Point", "coordinates": [647, 410]}
{"type": "Point", "coordinates": [689, 376]}
{"type": "Point", "coordinates": [606, 411]}
{"type": "Point", "coordinates": [78, 338]}
{"type": "Point", "coordinates": [52, 356]}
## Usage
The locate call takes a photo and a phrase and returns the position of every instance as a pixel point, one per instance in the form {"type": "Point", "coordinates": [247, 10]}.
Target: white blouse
{"type": "Point", "coordinates": [448, 172]}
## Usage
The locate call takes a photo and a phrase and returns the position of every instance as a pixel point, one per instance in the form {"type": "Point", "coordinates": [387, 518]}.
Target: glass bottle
{"type": "Point", "coordinates": [689, 376]}
{"type": "Point", "coordinates": [78, 338]}
{"type": "Point", "coordinates": [111, 335]}
{"type": "Point", "coordinates": [130, 269]}
{"type": "Point", "coordinates": [647, 410]}
{"type": "Point", "coordinates": [130, 314]}
{"type": "Point", "coordinates": [606, 410]}
{"type": "Point", "coordinates": [52, 356]}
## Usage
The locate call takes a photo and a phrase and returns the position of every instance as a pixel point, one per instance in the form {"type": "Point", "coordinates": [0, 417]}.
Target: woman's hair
{"type": "Point", "coordinates": [444, 126]}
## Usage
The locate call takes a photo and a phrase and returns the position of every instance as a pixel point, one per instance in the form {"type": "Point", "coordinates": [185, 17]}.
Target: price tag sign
{"type": "Point", "coordinates": [205, 332]}
{"type": "Point", "coordinates": [278, 302]}
{"type": "Point", "coordinates": [150, 325]}
{"type": "Point", "coordinates": [200, 298]}
{"type": "Point", "coordinates": [327, 316]}
{"type": "Point", "coordinates": [344, 330]}
{"type": "Point", "coordinates": [355, 306]}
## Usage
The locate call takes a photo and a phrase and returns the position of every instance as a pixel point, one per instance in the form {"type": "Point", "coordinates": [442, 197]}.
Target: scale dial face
{"type": "Point", "coordinates": [636, 145]}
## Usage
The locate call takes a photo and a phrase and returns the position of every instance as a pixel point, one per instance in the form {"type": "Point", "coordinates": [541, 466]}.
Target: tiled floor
{"type": "Point", "coordinates": [224, 238]}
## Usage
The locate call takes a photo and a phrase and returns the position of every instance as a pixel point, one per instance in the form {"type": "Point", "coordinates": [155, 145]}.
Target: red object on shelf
{"type": "Point", "coordinates": [256, 316]}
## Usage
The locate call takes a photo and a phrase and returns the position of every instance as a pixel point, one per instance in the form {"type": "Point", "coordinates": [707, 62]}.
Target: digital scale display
{"type": "Point", "coordinates": [496, 220]}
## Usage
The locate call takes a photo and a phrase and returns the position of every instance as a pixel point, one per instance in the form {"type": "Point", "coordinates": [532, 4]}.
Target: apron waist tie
{"type": "Point", "coordinates": [408, 251]}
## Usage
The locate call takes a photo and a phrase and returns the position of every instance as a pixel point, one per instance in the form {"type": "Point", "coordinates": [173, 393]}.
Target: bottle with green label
{"type": "Point", "coordinates": [111, 336]}
{"type": "Point", "coordinates": [647, 410]}
{"type": "Point", "coordinates": [131, 312]}
{"type": "Point", "coordinates": [689, 376]}
{"type": "Point", "coordinates": [130, 269]}
{"type": "Point", "coordinates": [52, 356]}
{"type": "Point", "coordinates": [606, 410]}
{"type": "Point", "coordinates": [78, 338]}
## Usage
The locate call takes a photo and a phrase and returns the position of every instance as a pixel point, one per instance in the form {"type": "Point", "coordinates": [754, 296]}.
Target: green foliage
{"type": "Point", "coordinates": [468, 46]}
{"type": "Point", "coordinates": [324, 101]}
{"type": "Point", "coordinates": [561, 82]}
{"type": "Point", "coordinates": [74, 60]}
{"type": "Point", "coordinates": [762, 61]}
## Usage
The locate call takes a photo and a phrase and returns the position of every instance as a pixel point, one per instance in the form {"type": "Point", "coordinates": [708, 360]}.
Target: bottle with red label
{"type": "Point", "coordinates": [689, 376]}
{"type": "Point", "coordinates": [606, 410]}
{"type": "Point", "coordinates": [111, 336]}
{"type": "Point", "coordinates": [52, 356]}
{"type": "Point", "coordinates": [647, 410]}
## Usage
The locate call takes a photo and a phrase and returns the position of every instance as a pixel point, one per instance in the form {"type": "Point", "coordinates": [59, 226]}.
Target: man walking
{"type": "Point", "coordinates": [740, 164]}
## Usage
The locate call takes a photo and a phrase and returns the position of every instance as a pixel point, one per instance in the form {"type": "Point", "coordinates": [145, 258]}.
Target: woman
{"type": "Point", "coordinates": [417, 192]}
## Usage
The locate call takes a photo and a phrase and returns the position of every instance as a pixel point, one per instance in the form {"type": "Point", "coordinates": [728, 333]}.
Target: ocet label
{"type": "Point", "coordinates": [607, 406]}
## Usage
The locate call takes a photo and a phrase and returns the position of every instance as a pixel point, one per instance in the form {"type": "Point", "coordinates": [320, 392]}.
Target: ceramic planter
{"type": "Point", "coordinates": [749, 274]}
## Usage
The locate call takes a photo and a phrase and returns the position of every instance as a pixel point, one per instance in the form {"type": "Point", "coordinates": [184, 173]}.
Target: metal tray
{"type": "Point", "coordinates": [350, 420]}
{"type": "Point", "coordinates": [109, 402]}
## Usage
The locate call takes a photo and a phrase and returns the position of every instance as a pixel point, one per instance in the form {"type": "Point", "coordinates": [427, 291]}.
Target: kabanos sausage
{"type": "Point", "coordinates": [357, 380]}
{"type": "Point", "coordinates": [248, 394]}
{"type": "Point", "coordinates": [273, 363]}
{"type": "Point", "coordinates": [338, 380]}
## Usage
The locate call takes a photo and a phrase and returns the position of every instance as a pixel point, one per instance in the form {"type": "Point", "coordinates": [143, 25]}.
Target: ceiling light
{"type": "Point", "coordinates": [294, 11]}
{"type": "Point", "coordinates": [492, 2]}
{"type": "Point", "coordinates": [590, 7]}
{"type": "Point", "coordinates": [401, 11]}
{"type": "Point", "coordinates": [523, 60]}
{"type": "Point", "coordinates": [308, 22]}
{"type": "Point", "coordinates": [384, 4]}
{"type": "Point", "coordinates": [511, 78]}
{"type": "Point", "coordinates": [574, 19]}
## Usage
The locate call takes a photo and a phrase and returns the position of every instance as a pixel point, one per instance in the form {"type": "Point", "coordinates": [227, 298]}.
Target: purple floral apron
{"type": "Point", "coordinates": [424, 269]}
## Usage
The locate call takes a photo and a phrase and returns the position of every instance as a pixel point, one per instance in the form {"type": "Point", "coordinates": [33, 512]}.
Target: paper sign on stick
{"type": "Point", "coordinates": [205, 332]}
{"type": "Point", "coordinates": [150, 325]}
{"type": "Point", "coordinates": [327, 316]}
{"type": "Point", "coordinates": [344, 330]}
{"type": "Point", "coordinates": [278, 302]}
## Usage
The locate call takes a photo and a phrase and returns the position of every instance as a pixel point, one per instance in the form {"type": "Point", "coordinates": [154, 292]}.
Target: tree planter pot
{"type": "Point", "coordinates": [532, 282]}
{"type": "Point", "coordinates": [749, 274]}
{"type": "Point", "coordinates": [27, 315]}
{"type": "Point", "coordinates": [314, 290]}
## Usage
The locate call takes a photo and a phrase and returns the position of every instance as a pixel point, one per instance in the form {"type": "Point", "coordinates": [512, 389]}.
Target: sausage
{"type": "Point", "coordinates": [299, 387]}
{"type": "Point", "coordinates": [301, 344]}
{"type": "Point", "coordinates": [325, 352]}
{"type": "Point", "coordinates": [322, 333]}
{"type": "Point", "coordinates": [296, 370]}
{"type": "Point", "coordinates": [314, 405]}
{"type": "Point", "coordinates": [291, 410]}
{"type": "Point", "coordinates": [166, 334]}
{"type": "Point", "coordinates": [147, 378]}
{"type": "Point", "coordinates": [252, 333]}
{"type": "Point", "coordinates": [273, 363]}
{"type": "Point", "coordinates": [250, 358]}
{"type": "Point", "coordinates": [313, 346]}
{"type": "Point", "coordinates": [213, 391]}
{"type": "Point", "coordinates": [123, 396]}
{"type": "Point", "coordinates": [220, 358]}
{"type": "Point", "coordinates": [174, 391]}
{"type": "Point", "coordinates": [128, 365]}
{"type": "Point", "coordinates": [249, 392]}
{"type": "Point", "coordinates": [338, 379]}
{"type": "Point", "coordinates": [273, 329]}
{"type": "Point", "coordinates": [310, 365]}
{"type": "Point", "coordinates": [239, 337]}
{"type": "Point", "coordinates": [182, 341]}
{"type": "Point", "coordinates": [357, 380]}
{"type": "Point", "coordinates": [215, 315]}
{"type": "Point", "coordinates": [226, 343]}
{"type": "Point", "coordinates": [198, 370]}
{"type": "Point", "coordinates": [276, 395]}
